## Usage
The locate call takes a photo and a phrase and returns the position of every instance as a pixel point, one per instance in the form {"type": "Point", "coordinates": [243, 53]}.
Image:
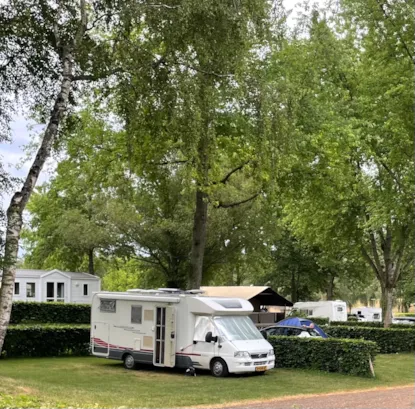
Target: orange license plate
{"type": "Point", "coordinates": [260, 368]}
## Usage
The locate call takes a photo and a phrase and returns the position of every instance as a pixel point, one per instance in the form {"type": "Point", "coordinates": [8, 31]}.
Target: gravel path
{"type": "Point", "coordinates": [385, 398]}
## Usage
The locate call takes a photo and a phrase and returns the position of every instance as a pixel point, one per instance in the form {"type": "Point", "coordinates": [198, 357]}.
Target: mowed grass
{"type": "Point", "coordinates": [93, 382]}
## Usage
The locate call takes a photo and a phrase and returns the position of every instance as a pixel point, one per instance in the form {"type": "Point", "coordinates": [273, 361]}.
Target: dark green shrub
{"type": "Point", "coordinates": [50, 312]}
{"type": "Point", "coordinates": [389, 340]}
{"type": "Point", "coordinates": [370, 324]}
{"type": "Point", "coordinates": [319, 321]}
{"type": "Point", "coordinates": [47, 340]}
{"type": "Point", "coordinates": [331, 355]}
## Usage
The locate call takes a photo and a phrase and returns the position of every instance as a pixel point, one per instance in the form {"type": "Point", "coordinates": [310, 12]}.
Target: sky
{"type": "Point", "coordinates": [14, 156]}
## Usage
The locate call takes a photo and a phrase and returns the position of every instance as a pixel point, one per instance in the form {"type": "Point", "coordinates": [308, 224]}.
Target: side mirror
{"type": "Point", "coordinates": [210, 338]}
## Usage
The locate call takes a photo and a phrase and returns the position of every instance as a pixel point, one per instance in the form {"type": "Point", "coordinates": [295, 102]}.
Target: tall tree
{"type": "Point", "coordinates": [197, 105]}
{"type": "Point", "coordinates": [45, 49]}
{"type": "Point", "coordinates": [356, 180]}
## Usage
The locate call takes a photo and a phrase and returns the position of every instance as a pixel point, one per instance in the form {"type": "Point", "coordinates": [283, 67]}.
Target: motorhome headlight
{"type": "Point", "coordinates": [271, 352]}
{"type": "Point", "coordinates": [242, 354]}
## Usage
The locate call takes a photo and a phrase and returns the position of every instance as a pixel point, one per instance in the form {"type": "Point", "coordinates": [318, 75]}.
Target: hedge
{"type": "Point", "coordinates": [46, 340]}
{"type": "Point", "coordinates": [370, 324]}
{"type": "Point", "coordinates": [319, 320]}
{"type": "Point", "coordinates": [50, 312]}
{"type": "Point", "coordinates": [404, 314]}
{"type": "Point", "coordinates": [332, 355]}
{"type": "Point", "coordinates": [389, 340]}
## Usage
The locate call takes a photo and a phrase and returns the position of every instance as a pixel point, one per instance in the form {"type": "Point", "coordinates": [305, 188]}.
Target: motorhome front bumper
{"type": "Point", "coordinates": [252, 365]}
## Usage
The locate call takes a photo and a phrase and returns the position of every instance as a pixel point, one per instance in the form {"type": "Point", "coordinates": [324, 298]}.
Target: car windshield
{"type": "Point", "coordinates": [237, 328]}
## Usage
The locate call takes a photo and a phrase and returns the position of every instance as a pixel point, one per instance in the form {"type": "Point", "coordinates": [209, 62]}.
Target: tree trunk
{"type": "Point", "coordinates": [199, 239]}
{"type": "Point", "coordinates": [91, 267]}
{"type": "Point", "coordinates": [330, 288]}
{"type": "Point", "coordinates": [201, 209]}
{"type": "Point", "coordinates": [387, 305]}
{"type": "Point", "coordinates": [294, 291]}
{"type": "Point", "coordinates": [20, 199]}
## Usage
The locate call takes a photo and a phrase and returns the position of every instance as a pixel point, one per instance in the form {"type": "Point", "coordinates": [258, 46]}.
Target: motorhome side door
{"type": "Point", "coordinates": [100, 339]}
{"type": "Point", "coordinates": [165, 337]}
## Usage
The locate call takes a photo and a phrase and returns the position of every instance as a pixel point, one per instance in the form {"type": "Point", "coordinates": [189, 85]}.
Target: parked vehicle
{"type": "Point", "coordinates": [404, 320]}
{"type": "Point", "coordinates": [173, 328]}
{"type": "Point", "coordinates": [333, 310]}
{"type": "Point", "coordinates": [301, 323]}
{"type": "Point", "coordinates": [368, 314]}
{"type": "Point", "coordinates": [289, 331]}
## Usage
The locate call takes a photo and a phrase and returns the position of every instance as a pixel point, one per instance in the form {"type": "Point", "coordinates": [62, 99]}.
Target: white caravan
{"type": "Point", "coordinates": [368, 314]}
{"type": "Point", "coordinates": [173, 328]}
{"type": "Point", "coordinates": [333, 310]}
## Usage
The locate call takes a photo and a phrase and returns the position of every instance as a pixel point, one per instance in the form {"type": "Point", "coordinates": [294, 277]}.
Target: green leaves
{"type": "Point", "coordinates": [389, 340]}
{"type": "Point", "coordinates": [331, 355]}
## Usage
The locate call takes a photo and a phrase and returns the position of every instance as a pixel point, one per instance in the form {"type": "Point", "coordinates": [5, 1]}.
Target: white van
{"type": "Point", "coordinates": [173, 328]}
{"type": "Point", "coordinates": [368, 314]}
{"type": "Point", "coordinates": [333, 310]}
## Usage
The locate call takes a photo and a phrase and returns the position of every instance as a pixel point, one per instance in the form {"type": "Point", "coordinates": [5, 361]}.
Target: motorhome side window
{"type": "Point", "coordinates": [136, 314]}
{"type": "Point", "coordinates": [339, 309]}
{"type": "Point", "coordinates": [202, 326]}
{"type": "Point", "coordinates": [108, 305]}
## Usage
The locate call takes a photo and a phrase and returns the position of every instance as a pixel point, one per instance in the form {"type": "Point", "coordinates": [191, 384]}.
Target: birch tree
{"type": "Point", "coordinates": [46, 48]}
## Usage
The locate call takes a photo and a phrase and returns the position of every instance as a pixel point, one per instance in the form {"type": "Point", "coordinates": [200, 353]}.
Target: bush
{"type": "Point", "coordinates": [404, 314]}
{"type": "Point", "coordinates": [47, 340]}
{"type": "Point", "coordinates": [316, 320]}
{"type": "Point", "coordinates": [389, 340]}
{"type": "Point", "coordinates": [370, 324]}
{"type": "Point", "coordinates": [50, 312]}
{"type": "Point", "coordinates": [331, 355]}
{"type": "Point", "coordinates": [319, 321]}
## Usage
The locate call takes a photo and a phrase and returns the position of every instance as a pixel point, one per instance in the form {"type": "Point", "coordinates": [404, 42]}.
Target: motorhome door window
{"type": "Point", "coordinates": [339, 309]}
{"type": "Point", "coordinates": [136, 314]}
{"type": "Point", "coordinates": [108, 305]}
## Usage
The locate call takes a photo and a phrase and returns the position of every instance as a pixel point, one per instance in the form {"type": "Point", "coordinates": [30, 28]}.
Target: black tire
{"type": "Point", "coordinates": [129, 362]}
{"type": "Point", "coordinates": [218, 368]}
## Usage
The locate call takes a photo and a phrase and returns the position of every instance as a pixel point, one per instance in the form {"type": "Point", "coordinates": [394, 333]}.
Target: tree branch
{"type": "Point", "coordinates": [371, 263]}
{"type": "Point", "coordinates": [93, 77]}
{"type": "Point", "coordinates": [162, 6]}
{"type": "Point", "coordinates": [391, 174]}
{"type": "Point", "coordinates": [228, 205]}
{"type": "Point", "coordinates": [173, 162]}
{"type": "Point", "coordinates": [82, 24]}
{"type": "Point", "coordinates": [228, 175]}
{"type": "Point", "coordinates": [387, 17]}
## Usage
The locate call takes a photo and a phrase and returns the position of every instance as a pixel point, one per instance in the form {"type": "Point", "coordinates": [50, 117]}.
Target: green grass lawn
{"type": "Point", "coordinates": [94, 382]}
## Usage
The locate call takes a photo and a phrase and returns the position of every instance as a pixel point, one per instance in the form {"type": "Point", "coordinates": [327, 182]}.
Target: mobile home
{"type": "Point", "coordinates": [368, 314]}
{"type": "Point", "coordinates": [173, 328]}
{"type": "Point", "coordinates": [333, 310]}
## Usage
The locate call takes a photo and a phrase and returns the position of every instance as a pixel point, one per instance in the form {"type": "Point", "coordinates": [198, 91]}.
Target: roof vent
{"type": "Point", "coordinates": [170, 290]}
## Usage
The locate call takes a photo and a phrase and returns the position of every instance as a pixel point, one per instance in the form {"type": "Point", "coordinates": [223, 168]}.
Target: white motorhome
{"type": "Point", "coordinates": [173, 328]}
{"type": "Point", "coordinates": [368, 314]}
{"type": "Point", "coordinates": [333, 310]}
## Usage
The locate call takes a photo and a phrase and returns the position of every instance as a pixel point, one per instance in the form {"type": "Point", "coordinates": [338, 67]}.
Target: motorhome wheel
{"type": "Point", "coordinates": [129, 362]}
{"type": "Point", "coordinates": [219, 368]}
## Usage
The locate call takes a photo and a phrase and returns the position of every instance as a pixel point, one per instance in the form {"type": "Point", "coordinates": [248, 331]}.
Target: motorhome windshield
{"type": "Point", "coordinates": [237, 328]}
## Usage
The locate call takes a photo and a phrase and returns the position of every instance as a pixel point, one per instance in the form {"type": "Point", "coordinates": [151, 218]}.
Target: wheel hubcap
{"type": "Point", "coordinates": [129, 361]}
{"type": "Point", "coordinates": [217, 368]}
